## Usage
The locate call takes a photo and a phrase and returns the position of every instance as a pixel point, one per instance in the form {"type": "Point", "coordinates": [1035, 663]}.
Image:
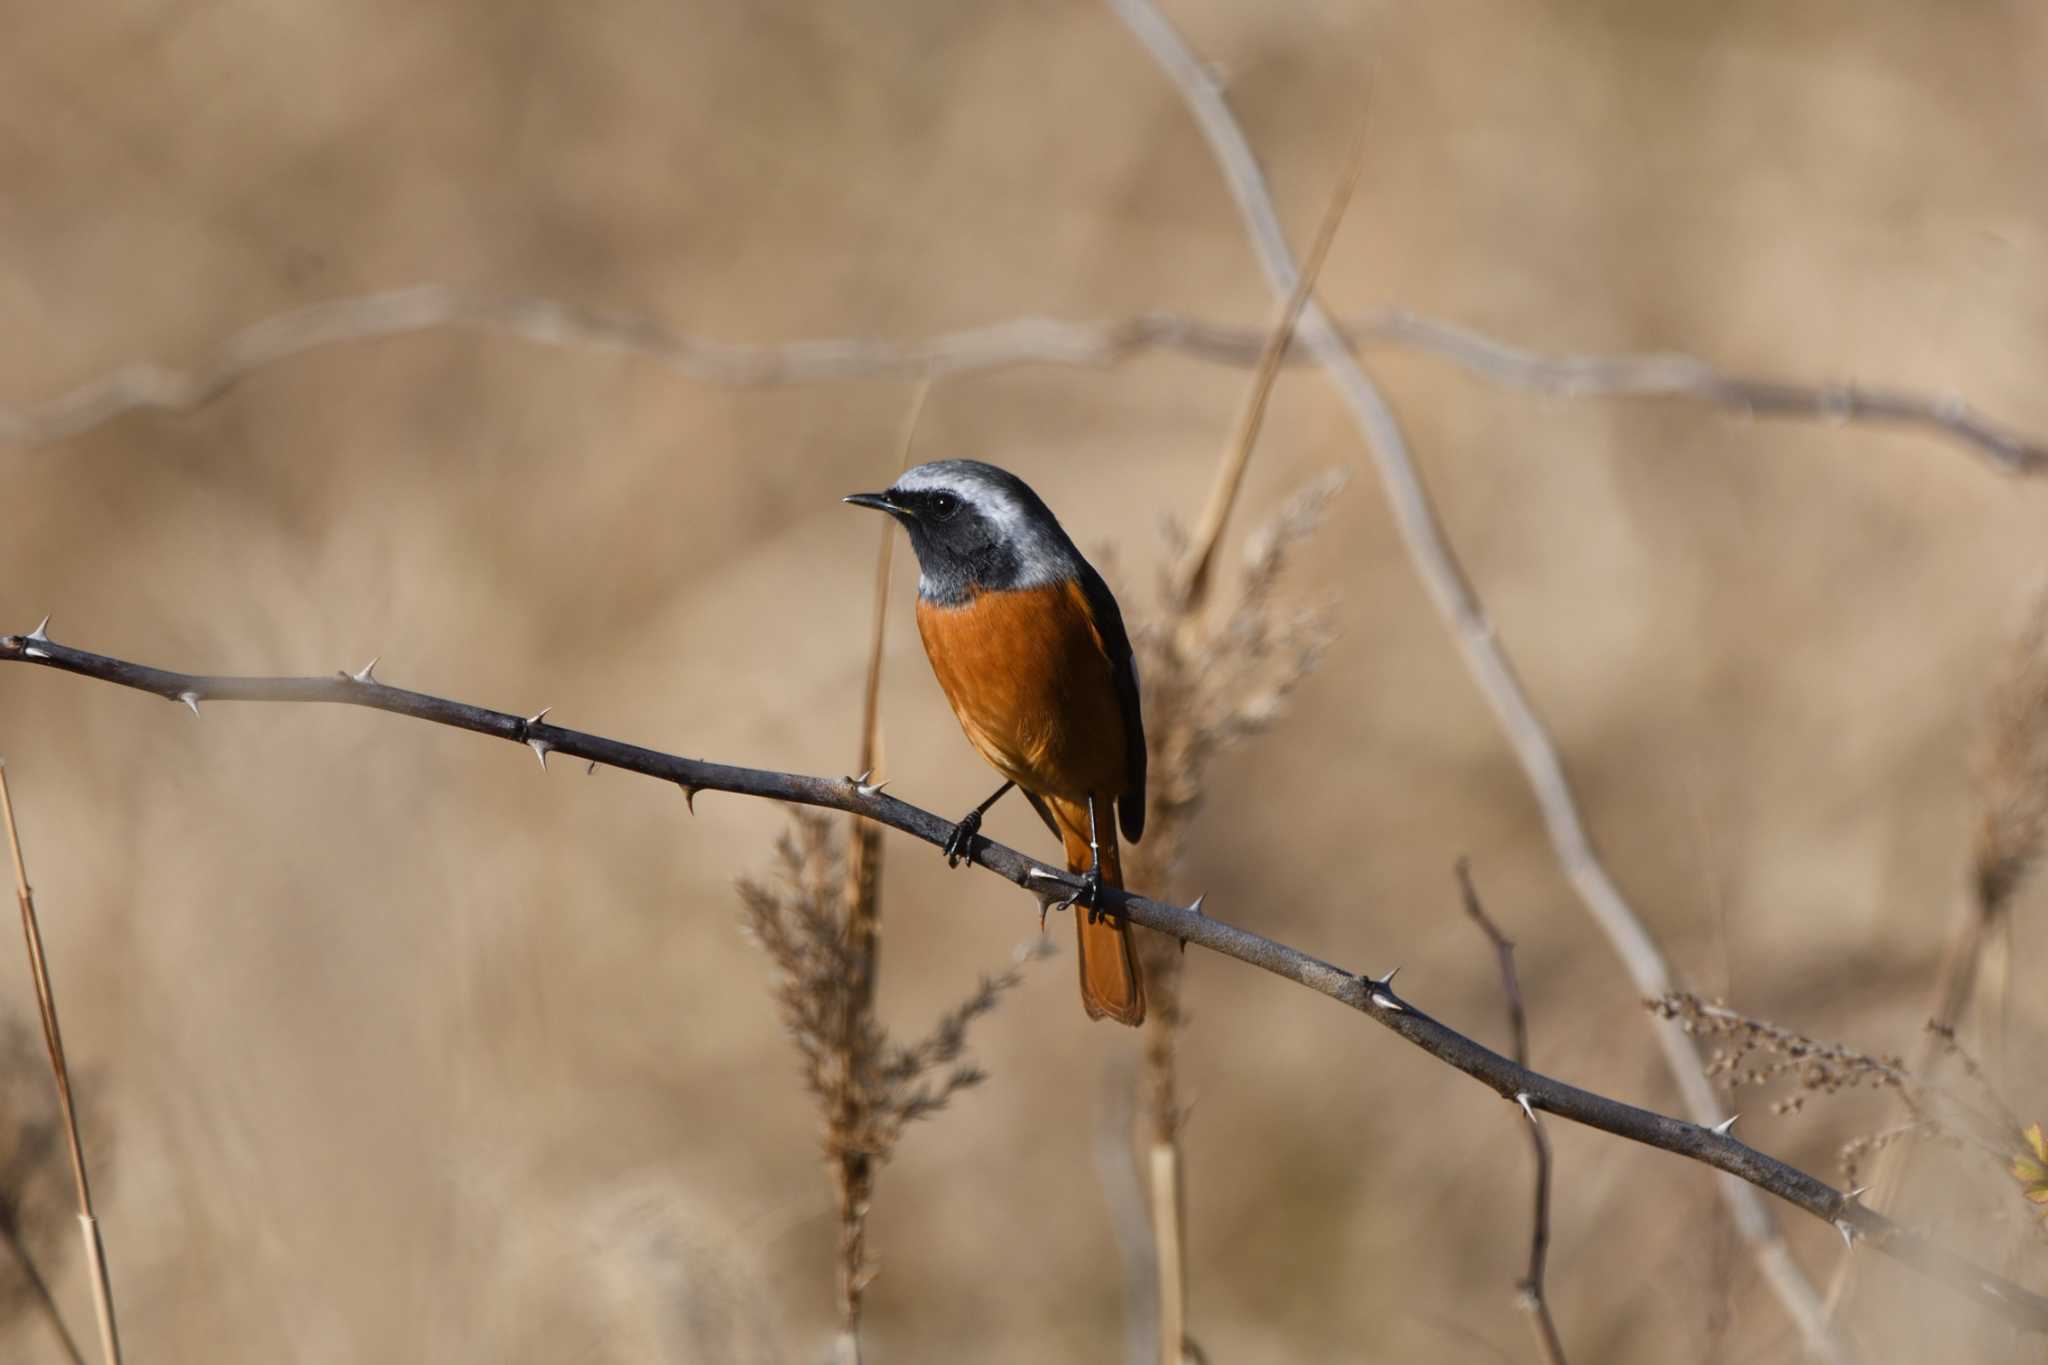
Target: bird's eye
{"type": "Point", "coordinates": [944, 505]}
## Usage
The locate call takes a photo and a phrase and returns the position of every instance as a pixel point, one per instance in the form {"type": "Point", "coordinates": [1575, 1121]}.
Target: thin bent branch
{"type": "Point", "coordinates": [147, 386]}
{"type": "Point", "coordinates": [1531, 1289]}
{"type": "Point", "coordinates": [1486, 658]}
{"type": "Point", "coordinates": [1373, 997]}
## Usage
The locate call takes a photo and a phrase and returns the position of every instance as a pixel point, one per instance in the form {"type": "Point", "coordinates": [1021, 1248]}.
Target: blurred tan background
{"type": "Point", "coordinates": [399, 1050]}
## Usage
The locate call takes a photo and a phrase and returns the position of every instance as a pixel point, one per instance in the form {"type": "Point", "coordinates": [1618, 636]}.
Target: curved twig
{"type": "Point", "coordinates": [1373, 997]}
{"type": "Point", "coordinates": [147, 386]}
{"type": "Point", "coordinates": [1531, 1288]}
{"type": "Point", "coordinates": [1486, 659]}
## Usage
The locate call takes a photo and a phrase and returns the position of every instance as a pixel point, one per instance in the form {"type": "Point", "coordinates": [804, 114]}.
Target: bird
{"type": "Point", "coordinates": [1029, 646]}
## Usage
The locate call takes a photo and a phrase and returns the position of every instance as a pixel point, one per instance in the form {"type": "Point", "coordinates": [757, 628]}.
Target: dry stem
{"type": "Point", "coordinates": [854, 1167]}
{"type": "Point", "coordinates": [1176, 671]}
{"type": "Point", "coordinates": [53, 1038]}
{"type": "Point", "coordinates": [2011, 839]}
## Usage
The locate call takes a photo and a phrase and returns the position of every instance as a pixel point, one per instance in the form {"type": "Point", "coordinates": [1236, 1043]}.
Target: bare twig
{"type": "Point", "coordinates": [53, 1038]}
{"type": "Point", "coordinates": [1531, 1285]}
{"type": "Point", "coordinates": [1485, 658]}
{"type": "Point", "coordinates": [1373, 997]}
{"type": "Point", "coordinates": [146, 386]}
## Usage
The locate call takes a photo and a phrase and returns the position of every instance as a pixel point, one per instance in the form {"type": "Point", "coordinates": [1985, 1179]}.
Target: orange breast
{"type": "Point", "coordinates": [1027, 676]}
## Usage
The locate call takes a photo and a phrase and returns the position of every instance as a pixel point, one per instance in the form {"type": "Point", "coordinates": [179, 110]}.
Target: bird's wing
{"type": "Point", "coordinates": [1109, 624]}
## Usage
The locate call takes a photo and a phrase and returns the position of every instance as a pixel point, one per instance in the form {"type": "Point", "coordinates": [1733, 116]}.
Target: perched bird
{"type": "Point", "coordinates": [1029, 646]}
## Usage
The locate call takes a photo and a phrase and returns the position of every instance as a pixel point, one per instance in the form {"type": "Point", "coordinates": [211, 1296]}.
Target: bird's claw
{"type": "Point", "coordinates": [1088, 895]}
{"type": "Point", "coordinates": [959, 845]}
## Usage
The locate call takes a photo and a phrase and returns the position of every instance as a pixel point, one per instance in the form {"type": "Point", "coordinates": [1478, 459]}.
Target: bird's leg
{"type": "Point", "coordinates": [1089, 894]}
{"type": "Point", "coordinates": [959, 845]}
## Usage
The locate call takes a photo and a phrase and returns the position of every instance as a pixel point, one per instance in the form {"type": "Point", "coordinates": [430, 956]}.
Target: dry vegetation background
{"type": "Point", "coordinates": [397, 1050]}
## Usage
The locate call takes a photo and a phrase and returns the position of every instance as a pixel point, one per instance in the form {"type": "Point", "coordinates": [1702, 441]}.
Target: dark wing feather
{"type": "Point", "coordinates": [1109, 624]}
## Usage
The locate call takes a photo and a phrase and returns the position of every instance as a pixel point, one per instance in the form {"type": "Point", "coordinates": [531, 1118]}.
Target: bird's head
{"type": "Point", "coordinates": [975, 528]}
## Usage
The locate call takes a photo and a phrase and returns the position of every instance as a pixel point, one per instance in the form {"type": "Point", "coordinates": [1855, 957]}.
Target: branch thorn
{"type": "Point", "coordinates": [366, 674]}
{"type": "Point", "coordinates": [689, 796]}
{"type": "Point", "coordinates": [865, 788]}
{"type": "Point", "coordinates": [1725, 1126]}
{"type": "Point", "coordinates": [41, 632]}
{"type": "Point", "coordinates": [1522, 1098]}
{"type": "Point", "coordinates": [1386, 1002]}
{"type": "Point", "coordinates": [1848, 1231]}
{"type": "Point", "coordinates": [1386, 982]}
{"type": "Point", "coordinates": [191, 700]}
{"type": "Point", "coordinates": [540, 749]}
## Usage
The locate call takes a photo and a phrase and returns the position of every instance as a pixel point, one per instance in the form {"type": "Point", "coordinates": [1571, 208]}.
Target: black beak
{"type": "Point", "coordinates": [878, 501]}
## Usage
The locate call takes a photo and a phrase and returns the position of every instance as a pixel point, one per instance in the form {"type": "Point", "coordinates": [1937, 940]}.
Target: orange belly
{"type": "Point", "coordinates": [1027, 676]}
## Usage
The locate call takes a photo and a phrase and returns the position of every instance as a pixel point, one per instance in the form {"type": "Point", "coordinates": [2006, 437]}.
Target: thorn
{"type": "Point", "coordinates": [1848, 1231]}
{"type": "Point", "coordinates": [1522, 1098]}
{"type": "Point", "coordinates": [1196, 908]}
{"type": "Point", "coordinates": [1039, 874]}
{"type": "Point", "coordinates": [689, 796]}
{"type": "Point", "coordinates": [41, 632]}
{"type": "Point", "coordinates": [540, 749]}
{"type": "Point", "coordinates": [591, 769]}
{"type": "Point", "coordinates": [865, 789]}
{"type": "Point", "coordinates": [191, 700]}
{"type": "Point", "coordinates": [539, 716]}
{"type": "Point", "coordinates": [1855, 1195]}
{"type": "Point", "coordinates": [366, 674]}
{"type": "Point", "coordinates": [1387, 1003]}
{"type": "Point", "coordinates": [1725, 1126]}
{"type": "Point", "coordinates": [861, 780]}
{"type": "Point", "coordinates": [1385, 982]}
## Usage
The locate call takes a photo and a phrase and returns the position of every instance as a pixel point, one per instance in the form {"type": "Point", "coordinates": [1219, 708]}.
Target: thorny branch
{"type": "Point", "coordinates": [148, 386]}
{"type": "Point", "coordinates": [1531, 1286]}
{"type": "Point", "coordinates": [1486, 657]}
{"type": "Point", "coordinates": [1373, 997]}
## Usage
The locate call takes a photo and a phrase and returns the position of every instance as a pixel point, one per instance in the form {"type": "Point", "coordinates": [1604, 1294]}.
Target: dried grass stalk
{"type": "Point", "coordinates": [53, 1038]}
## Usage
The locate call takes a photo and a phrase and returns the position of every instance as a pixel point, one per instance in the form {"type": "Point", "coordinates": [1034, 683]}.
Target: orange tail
{"type": "Point", "coordinates": [1110, 987]}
